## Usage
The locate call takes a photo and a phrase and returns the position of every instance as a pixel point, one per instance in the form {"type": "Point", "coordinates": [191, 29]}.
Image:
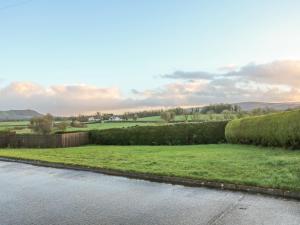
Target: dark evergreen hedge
{"type": "Point", "coordinates": [176, 134]}
{"type": "Point", "coordinates": [277, 129]}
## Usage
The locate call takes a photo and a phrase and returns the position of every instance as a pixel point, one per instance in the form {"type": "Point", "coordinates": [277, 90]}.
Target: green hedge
{"type": "Point", "coordinates": [278, 129]}
{"type": "Point", "coordinates": [177, 134]}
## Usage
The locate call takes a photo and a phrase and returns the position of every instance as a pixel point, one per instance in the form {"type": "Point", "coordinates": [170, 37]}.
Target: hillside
{"type": "Point", "coordinates": [18, 115]}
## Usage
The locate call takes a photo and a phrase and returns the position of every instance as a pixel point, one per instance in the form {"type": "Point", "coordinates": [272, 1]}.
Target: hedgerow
{"type": "Point", "coordinates": [177, 134]}
{"type": "Point", "coordinates": [278, 130]}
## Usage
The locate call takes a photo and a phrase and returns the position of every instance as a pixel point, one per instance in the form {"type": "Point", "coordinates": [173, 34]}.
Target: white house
{"type": "Point", "coordinates": [91, 119]}
{"type": "Point", "coordinates": [115, 118]}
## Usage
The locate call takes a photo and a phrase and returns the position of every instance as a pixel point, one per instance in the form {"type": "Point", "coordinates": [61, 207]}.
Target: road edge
{"type": "Point", "coordinates": [164, 179]}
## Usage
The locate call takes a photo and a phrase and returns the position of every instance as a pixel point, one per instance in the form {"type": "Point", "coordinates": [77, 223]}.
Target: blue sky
{"type": "Point", "coordinates": [129, 44]}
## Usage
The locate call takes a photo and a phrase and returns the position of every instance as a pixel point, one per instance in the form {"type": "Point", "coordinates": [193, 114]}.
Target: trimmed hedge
{"type": "Point", "coordinates": [177, 134]}
{"type": "Point", "coordinates": [278, 130]}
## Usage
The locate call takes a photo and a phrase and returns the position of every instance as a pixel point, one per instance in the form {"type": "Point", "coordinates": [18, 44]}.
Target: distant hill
{"type": "Point", "coordinates": [18, 115]}
{"type": "Point", "coordinates": [248, 106]}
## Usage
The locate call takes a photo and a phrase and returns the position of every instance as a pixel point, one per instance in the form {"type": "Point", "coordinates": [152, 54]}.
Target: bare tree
{"type": "Point", "coordinates": [196, 116]}
{"type": "Point", "coordinates": [135, 117]}
{"type": "Point", "coordinates": [42, 125]}
{"type": "Point", "coordinates": [186, 115]}
{"type": "Point", "coordinates": [62, 126]}
{"type": "Point", "coordinates": [167, 116]}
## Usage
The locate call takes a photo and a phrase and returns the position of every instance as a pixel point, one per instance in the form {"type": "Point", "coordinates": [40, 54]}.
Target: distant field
{"type": "Point", "coordinates": [182, 117]}
{"type": "Point", "coordinates": [102, 126]}
{"type": "Point", "coordinates": [150, 118]}
{"type": "Point", "coordinates": [239, 164]}
{"type": "Point", "coordinates": [21, 126]}
{"type": "Point", "coordinates": [14, 123]}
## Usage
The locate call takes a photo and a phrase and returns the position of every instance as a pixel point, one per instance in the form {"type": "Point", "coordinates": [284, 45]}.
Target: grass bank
{"type": "Point", "coordinates": [238, 164]}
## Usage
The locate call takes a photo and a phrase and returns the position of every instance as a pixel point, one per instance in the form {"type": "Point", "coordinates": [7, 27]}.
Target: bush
{"type": "Point", "coordinates": [168, 116]}
{"type": "Point", "coordinates": [176, 134]}
{"type": "Point", "coordinates": [77, 124]}
{"type": "Point", "coordinates": [62, 126]}
{"type": "Point", "coordinates": [42, 125]}
{"type": "Point", "coordinates": [278, 130]}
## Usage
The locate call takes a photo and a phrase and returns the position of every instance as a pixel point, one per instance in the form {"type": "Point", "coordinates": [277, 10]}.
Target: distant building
{"type": "Point", "coordinates": [91, 119]}
{"type": "Point", "coordinates": [115, 118]}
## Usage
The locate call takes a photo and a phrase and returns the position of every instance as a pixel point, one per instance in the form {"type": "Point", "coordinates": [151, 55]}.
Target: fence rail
{"type": "Point", "coordinates": [44, 141]}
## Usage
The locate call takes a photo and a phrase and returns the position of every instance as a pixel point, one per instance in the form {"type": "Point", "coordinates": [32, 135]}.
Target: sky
{"type": "Point", "coordinates": [69, 57]}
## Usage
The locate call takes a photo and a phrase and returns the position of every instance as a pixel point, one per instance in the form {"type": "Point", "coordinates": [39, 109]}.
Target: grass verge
{"type": "Point", "coordinates": [237, 164]}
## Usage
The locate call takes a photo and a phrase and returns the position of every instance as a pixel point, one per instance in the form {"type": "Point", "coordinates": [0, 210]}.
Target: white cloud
{"type": "Point", "coordinates": [59, 99]}
{"type": "Point", "coordinates": [278, 72]}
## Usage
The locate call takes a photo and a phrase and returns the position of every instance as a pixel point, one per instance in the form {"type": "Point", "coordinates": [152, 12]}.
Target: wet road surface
{"type": "Point", "coordinates": [31, 195]}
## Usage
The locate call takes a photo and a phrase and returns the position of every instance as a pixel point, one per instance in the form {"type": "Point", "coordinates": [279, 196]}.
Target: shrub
{"type": "Point", "coordinates": [277, 129]}
{"type": "Point", "coordinates": [77, 124]}
{"type": "Point", "coordinates": [176, 134]}
{"type": "Point", "coordinates": [42, 125]}
{"type": "Point", "coordinates": [168, 116]}
{"type": "Point", "coordinates": [62, 126]}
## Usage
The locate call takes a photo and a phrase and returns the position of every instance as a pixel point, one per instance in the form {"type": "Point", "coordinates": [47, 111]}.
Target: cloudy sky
{"type": "Point", "coordinates": [69, 57]}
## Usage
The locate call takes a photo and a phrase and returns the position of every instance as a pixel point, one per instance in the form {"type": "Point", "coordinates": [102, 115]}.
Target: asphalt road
{"type": "Point", "coordinates": [32, 195]}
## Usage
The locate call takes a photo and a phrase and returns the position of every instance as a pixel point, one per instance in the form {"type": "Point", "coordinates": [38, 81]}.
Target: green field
{"type": "Point", "coordinates": [102, 126]}
{"type": "Point", "coordinates": [18, 126]}
{"type": "Point", "coordinates": [13, 123]}
{"type": "Point", "coordinates": [21, 127]}
{"type": "Point", "coordinates": [201, 117]}
{"type": "Point", "coordinates": [239, 164]}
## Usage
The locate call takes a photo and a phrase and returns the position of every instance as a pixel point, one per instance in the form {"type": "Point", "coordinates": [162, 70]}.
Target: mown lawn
{"type": "Point", "coordinates": [240, 164]}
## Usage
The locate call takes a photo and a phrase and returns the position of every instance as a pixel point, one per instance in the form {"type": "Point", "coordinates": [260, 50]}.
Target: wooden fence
{"type": "Point", "coordinates": [73, 139]}
{"type": "Point", "coordinates": [5, 138]}
{"type": "Point", "coordinates": [44, 141]}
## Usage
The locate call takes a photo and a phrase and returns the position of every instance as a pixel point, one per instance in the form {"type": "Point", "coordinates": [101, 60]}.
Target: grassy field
{"type": "Point", "coordinates": [13, 123]}
{"type": "Point", "coordinates": [238, 164]}
{"type": "Point", "coordinates": [21, 126]}
{"type": "Point", "coordinates": [182, 118]}
{"type": "Point", "coordinates": [102, 126]}
{"type": "Point", "coordinates": [18, 126]}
